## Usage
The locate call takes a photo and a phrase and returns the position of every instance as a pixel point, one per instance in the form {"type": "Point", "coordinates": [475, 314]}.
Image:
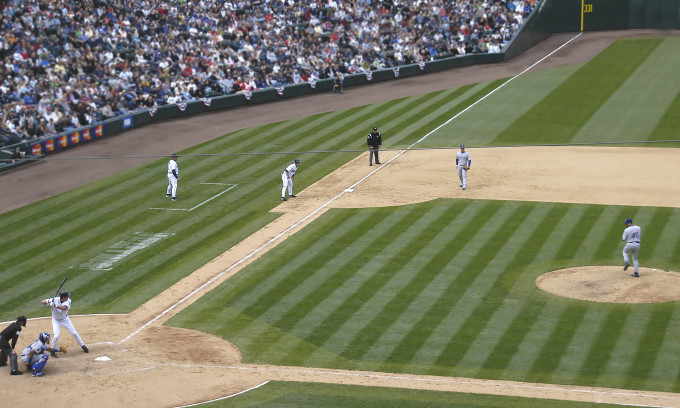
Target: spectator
{"type": "Point", "coordinates": [17, 155]}
{"type": "Point", "coordinates": [58, 56]}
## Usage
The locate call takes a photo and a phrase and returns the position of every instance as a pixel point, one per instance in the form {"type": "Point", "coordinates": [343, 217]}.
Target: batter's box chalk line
{"type": "Point", "coordinates": [231, 186]}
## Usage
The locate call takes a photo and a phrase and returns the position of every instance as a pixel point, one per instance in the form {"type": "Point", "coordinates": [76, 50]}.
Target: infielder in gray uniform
{"type": "Point", "coordinates": [287, 178]}
{"type": "Point", "coordinates": [631, 235]}
{"type": "Point", "coordinates": [463, 162]}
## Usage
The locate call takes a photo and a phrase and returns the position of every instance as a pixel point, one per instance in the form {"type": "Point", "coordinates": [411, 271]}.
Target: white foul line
{"type": "Point", "coordinates": [266, 244]}
{"type": "Point", "coordinates": [228, 396]}
{"type": "Point", "coordinates": [196, 206]}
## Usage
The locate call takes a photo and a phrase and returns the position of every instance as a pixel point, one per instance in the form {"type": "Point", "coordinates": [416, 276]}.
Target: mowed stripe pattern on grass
{"type": "Point", "coordinates": [341, 322]}
{"type": "Point", "coordinates": [447, 288]}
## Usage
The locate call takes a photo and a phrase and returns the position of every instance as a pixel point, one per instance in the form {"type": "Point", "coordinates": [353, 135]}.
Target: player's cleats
{"type": "Point", "coordinates": [635, 275]}
{"type": "Point", "coordinates": [85, 349]}
{"type": "Point", "coordinates": [626, 265]}
{"type": "Point", "coordinates": [38, 374]}
{"type": "Point", "coordinates": [292, 195]}
{"type": "Point", "coordinates": [17, 372]}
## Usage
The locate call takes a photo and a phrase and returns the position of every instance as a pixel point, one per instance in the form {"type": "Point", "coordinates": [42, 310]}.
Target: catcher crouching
{"type": "Point", "coordinates": [35, 356]}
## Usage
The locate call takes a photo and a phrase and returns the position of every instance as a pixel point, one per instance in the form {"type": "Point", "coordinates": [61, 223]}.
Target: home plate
{"type": "Point", "coordinates": [102, 358]}
{"type": "Point", "coordinates": [349, 190]}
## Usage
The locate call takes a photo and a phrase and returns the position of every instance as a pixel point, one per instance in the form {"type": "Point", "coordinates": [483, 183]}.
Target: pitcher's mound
{"type": "Point", "coordinates": [611, 284]}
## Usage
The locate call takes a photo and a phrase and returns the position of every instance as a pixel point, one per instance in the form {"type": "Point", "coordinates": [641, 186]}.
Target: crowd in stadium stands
{"type": "Point", "coordinates": [66, 64]}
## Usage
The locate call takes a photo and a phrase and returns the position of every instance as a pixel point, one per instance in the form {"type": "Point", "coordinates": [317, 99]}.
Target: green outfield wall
{"type": "Point", "coordinates": [550, 16]}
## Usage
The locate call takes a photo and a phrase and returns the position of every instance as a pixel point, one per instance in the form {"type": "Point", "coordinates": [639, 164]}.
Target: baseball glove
{"type": "Point", "coordinates": [467, 168]}
{"type": "Point", "coordinates": [63, 349]}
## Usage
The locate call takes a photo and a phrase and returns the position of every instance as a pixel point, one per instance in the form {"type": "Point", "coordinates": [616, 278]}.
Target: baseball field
{"type": "Point", "coordinates": [386, 285]}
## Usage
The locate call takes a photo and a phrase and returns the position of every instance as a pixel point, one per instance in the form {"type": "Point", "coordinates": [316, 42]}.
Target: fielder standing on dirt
{"type": "Point", "coordinates": [374, 140]}
{"type": "Point", "coordinates": [631, 235]}
{"type": "Point", "coordinates": [287, 178]}
{"type": "Point", "coordinates": [11, 333]}
{"type": "Point", "coordinates": [173, 178]}
{"type": "Point", "coordinates": [463, 161]}
{"type": "Point", "coordinates": [60, 306]}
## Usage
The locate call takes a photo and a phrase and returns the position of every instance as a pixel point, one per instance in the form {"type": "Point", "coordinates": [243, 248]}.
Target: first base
{"type": "Point", "coordinates": [102, 358]}
{"type": "Point", "coordinates": [349, 190]}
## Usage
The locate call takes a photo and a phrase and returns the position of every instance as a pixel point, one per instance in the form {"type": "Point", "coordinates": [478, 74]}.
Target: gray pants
{"type": "Point", "coordinates": [633, 249]}
{"type": "Point", "coordinates": [462, 175]}
{"type": "Point", "coordinates": [6, 350]}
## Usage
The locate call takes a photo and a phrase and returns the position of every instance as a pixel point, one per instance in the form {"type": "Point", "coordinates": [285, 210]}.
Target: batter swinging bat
{"type": "Point", "coordinates": [62, 284]}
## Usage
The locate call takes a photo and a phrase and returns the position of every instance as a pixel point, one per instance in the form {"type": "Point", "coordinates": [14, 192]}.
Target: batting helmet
{"type": "Point", "coordinates": [63, 294]}
{"type": "Point", "coordinates": [628, 221]}
{"type": "Point", "coordinates": [22, 319]}
{"type": "Point", "coordinates": [44, 337]}
{"type": "Point", "coordinates": [297, 160]}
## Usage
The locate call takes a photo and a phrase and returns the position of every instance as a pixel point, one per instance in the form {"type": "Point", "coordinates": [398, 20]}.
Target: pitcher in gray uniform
{"type": "Point", "coordinates": [631, 235]}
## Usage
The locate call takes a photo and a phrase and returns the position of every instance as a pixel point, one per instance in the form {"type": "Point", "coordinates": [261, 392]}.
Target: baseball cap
{"type": "Point", "coordinates": [375, 128]}
{"type": "Point", "coordinates": [462, 146]}
{"type": "Point", "coordinates": [297, 160]}
{"type": "Point", "coordinates": [628, 221]}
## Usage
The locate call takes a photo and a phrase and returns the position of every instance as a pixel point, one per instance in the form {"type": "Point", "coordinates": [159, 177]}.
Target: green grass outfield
{"type": "Point", "coordinates": [296, 395]}
{"type": "Point", "coordinates": [444, 287]}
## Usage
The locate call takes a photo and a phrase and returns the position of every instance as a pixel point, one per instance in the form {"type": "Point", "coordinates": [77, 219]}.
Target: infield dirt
{"type": "Point", "coordinates": [164, 367]}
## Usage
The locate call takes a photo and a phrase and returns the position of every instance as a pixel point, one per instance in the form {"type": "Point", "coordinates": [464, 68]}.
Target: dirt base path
{"type": "Point", "coordinates": [152, 365]}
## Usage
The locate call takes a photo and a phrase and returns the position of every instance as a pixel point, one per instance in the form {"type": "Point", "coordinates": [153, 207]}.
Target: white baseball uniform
{"type": "Point", "coordinates": [60, 318]}
{"type": "Point", "coordinates": [287, 178]}
{"type": "Point", "coordinates": [173, 176]}
{"type": "Point", "coordinates": [463, 160]}
{"type": "Point", "coordinates": [632, 237]}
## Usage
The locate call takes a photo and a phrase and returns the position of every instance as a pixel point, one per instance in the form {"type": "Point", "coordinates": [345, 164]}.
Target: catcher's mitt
{"type": "Point", "coordinates": [63, 349]}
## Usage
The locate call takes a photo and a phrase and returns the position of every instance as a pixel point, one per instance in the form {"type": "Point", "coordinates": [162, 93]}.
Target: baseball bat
{"type": "Point", "coordinates": [62, 284]}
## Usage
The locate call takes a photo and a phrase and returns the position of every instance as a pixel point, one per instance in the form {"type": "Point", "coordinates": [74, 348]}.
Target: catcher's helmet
{"type": "Point", "coordinates": [628, 221]}
{"type": "Point", "coordinates": [22, 319]}
{"type": "Point", "coordinates": [297, 160]}
{"type": "Point", "coordinates": [44, 337]}
{"type": "Point", "coordinates": [63, 294]}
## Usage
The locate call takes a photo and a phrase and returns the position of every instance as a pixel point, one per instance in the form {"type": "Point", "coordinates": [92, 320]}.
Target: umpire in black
{"type": "Point", "coordinates": [374, 140]}
{"type": "Point", "coordinates": [11, 332]}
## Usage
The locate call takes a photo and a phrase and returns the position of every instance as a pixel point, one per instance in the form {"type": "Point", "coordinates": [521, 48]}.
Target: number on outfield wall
{"type": "Point", "coordinates": [587, 8]}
